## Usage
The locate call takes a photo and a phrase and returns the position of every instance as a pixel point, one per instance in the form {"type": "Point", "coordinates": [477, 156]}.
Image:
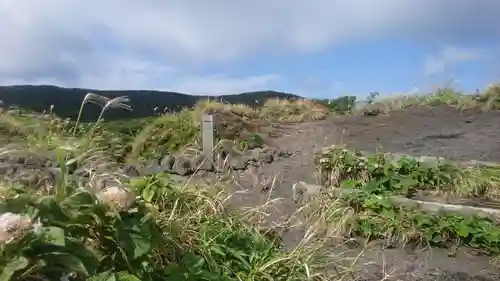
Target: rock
{"type": "Point", "coordinates": [239, 163]}
{"type": "Point", "coordinates": [178, 179]}
{"type": "Point", "coordinates": [26, 158]}
{"type": "Point", "coordinates": [203, 162]}
{"type": "Point", "coordinates": [227, 148]}
{"type": "Point", "coordinates": [266, 155]}
{"type": "Point", "coordinates": [151, 169]}
{"type": "Point", "coordinates": [131, 170]}
{"type": "Point", "coordinates": [99, 183]}
{"type": "Point", "coordinates": [28, 178]}
{"type": "Point", "coordinates": [168, 162]}
{"type": "Point", "coordinates": [183, 166]}
{"type": "Point", "coordinates": [8, 169]}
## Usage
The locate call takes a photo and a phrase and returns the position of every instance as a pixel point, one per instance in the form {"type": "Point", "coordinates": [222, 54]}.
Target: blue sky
{"type": "Point", "coordinates": [315, 48]}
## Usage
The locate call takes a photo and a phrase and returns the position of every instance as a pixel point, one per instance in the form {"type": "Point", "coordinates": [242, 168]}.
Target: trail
{"type": "Point", "coordinates": [438, 132]}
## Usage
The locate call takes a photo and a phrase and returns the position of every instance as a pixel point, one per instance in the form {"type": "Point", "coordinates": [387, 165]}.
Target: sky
{"type": "Point", "coordinates": [314, 48]}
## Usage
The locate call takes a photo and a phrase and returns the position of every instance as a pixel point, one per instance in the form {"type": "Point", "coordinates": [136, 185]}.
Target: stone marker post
{"type": "Point", "coordinates": [208, 134]}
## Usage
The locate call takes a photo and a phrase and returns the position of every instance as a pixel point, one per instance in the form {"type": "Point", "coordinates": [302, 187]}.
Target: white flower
{"type": "Point", "coordinates": [13, 226]}
{"type": "Point", "coordinates": [38, 227]}
{"type": "Point", "coordinates": [121, 198]}
{"type": "Point", "coordinates": [67, 276]}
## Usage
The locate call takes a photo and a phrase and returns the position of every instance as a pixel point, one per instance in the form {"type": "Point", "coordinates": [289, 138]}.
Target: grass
{"type": "Point", "coordinates": [151, 228]}
{"type": "Point", "coordinates": [488, 100]}
{"type": "Point", "coordinates": [406, 175]}
{"type": "Point", "coordinates": [372, 214]}
{"type": "Point", "coordinates": [140, 229]}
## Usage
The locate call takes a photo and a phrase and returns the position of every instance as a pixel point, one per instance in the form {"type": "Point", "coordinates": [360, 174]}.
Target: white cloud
{"type": "Point", "coordinates": [437, 64]}
{"type": "Point", "coordinates": [223, 84]}
{"type": "Point", "coordinates": [126, 43]}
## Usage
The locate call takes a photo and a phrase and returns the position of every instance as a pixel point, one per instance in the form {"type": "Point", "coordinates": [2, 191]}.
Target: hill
{"type": "Point", "coordinates": [67, 101]}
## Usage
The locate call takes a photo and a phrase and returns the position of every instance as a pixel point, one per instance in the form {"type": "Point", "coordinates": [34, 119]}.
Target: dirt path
{"type": "Point", "coordinates": [438, 132]}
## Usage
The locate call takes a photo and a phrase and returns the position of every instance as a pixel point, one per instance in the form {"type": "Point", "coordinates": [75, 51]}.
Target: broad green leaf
{"type": "Point", "coordinates": [149, 192]}
{"type": "Point", "coordinates": [68, 261]}
{"type": "Point", "coordinates": [103, 276]}
{"type": "Point", "coordinates": [80, 198]}
{"type": "Point", "coordinates": [54, 235]}
{"type": "Point", "coordinates": [13, 266]}
{"type": "Point", "coordinates": [125, 276]}
{"type": "Point", "coordinates": [49, 208]}
{"type": "Point", "coordinates": [142, 244]}
{"type": "Point", "coordinates": [462, 230]}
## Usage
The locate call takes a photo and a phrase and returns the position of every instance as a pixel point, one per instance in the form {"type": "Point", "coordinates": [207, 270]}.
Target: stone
{"type": "Point", "coordinates": [203, 162]}
{"type": "Point", "coordinates": [168, 162]}
{"type": "Point", "coordinates": [99, 183]}
{"type": "Point", "coordinates": [227, 148]}
{"type": "Point", "coordinates": [151, 169]}
{"type": "Point", "coordinates": [7, 169]}
{"type": "Point", "coordinates": [183, 166]}
{"type": "Point", "coordinates": [266, 156]}
{"type": "Point", "coordinates": [238, 163]}
{"type": "Point", "coordinates": [131, 170]}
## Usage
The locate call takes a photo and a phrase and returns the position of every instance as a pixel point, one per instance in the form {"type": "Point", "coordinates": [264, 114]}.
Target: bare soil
{"type": "Point", "coordinates": [441, 131]}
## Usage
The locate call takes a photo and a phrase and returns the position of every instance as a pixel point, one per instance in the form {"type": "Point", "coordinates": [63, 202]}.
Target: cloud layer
{"type": "Point", "coordinates": [437, 64]}
{"type": "Point", "coordinates": [167, 44]}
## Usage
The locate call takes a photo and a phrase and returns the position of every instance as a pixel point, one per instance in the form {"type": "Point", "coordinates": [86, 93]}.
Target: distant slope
{"type": "Point", "coordinates": [67, 101]}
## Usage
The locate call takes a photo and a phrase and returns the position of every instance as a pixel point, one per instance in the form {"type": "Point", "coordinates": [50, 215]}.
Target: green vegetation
{"type": "Point", "coordinates": [151, 228]}
{"type": "Point", "coordinates": [65, 102]}
{"type": "Point", "coordinates": [140, 229]}
{"type": "Point", "coordinates": [486, 101]}
{"type": "Point", "coordinates": [167, 233]}
{"type": "Point", "coordinates": [374, 179]}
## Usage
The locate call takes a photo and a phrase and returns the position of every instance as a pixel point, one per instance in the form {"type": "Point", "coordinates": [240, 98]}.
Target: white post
{"type": "Point", "coordinates": [207, 133]}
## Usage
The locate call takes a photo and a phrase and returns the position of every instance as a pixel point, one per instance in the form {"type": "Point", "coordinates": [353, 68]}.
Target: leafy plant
{"type": "Point", "coordinates": [375, 178]}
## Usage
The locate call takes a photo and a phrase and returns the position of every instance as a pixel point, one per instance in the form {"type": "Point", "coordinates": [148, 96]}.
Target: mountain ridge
{"type": "Point", "coordinates": [66, 101]}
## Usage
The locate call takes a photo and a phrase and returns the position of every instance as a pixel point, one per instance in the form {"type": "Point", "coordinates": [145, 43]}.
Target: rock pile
{"type": "Point", "coordinates": [185, 165]}
{"type": "Point", "coordinates": [37, 170]}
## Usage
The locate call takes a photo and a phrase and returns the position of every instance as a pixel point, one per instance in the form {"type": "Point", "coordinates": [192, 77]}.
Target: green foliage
{"type": "Point", "coordinates": [250, 141]}
{"type": "Point", "coordinates": [77, 235]}
{"type": "Point", "coordinates": [168, 133]}
{"type": "Point", "coordinates": [172, 233]}
{"type": "Point", "coordinates": [66, 101]}
{"type": "Point", "coordinates": [378, 219]}
{"type": "Point", "coordinates": [374, 179]}
{"type": "Point", "coordinates": [382, 174]}
{"type": "Point", "coordinates": [341, 105]}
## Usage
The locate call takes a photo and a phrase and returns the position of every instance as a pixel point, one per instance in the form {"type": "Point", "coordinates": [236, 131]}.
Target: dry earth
{"type": "Point", "coordinates": [442, 131]}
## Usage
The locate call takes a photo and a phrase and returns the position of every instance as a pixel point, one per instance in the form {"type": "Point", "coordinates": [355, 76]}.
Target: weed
{"type": "Point", "coordinates": [374, 179]}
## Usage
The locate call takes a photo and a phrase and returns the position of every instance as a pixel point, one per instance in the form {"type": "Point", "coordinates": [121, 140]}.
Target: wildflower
{"type": "Point", "coordinates": [120, 198]}
{"type": "Point", "coordinates": [118, 102]}
{"type": "Point", "coordinates": [38, 227]}
{"type": "Point", "coordinates": [67, 276]}
{"type": "Point", "coordinates": [95, 99]}
{"type": "Point", "coordinates": [13, 226]}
